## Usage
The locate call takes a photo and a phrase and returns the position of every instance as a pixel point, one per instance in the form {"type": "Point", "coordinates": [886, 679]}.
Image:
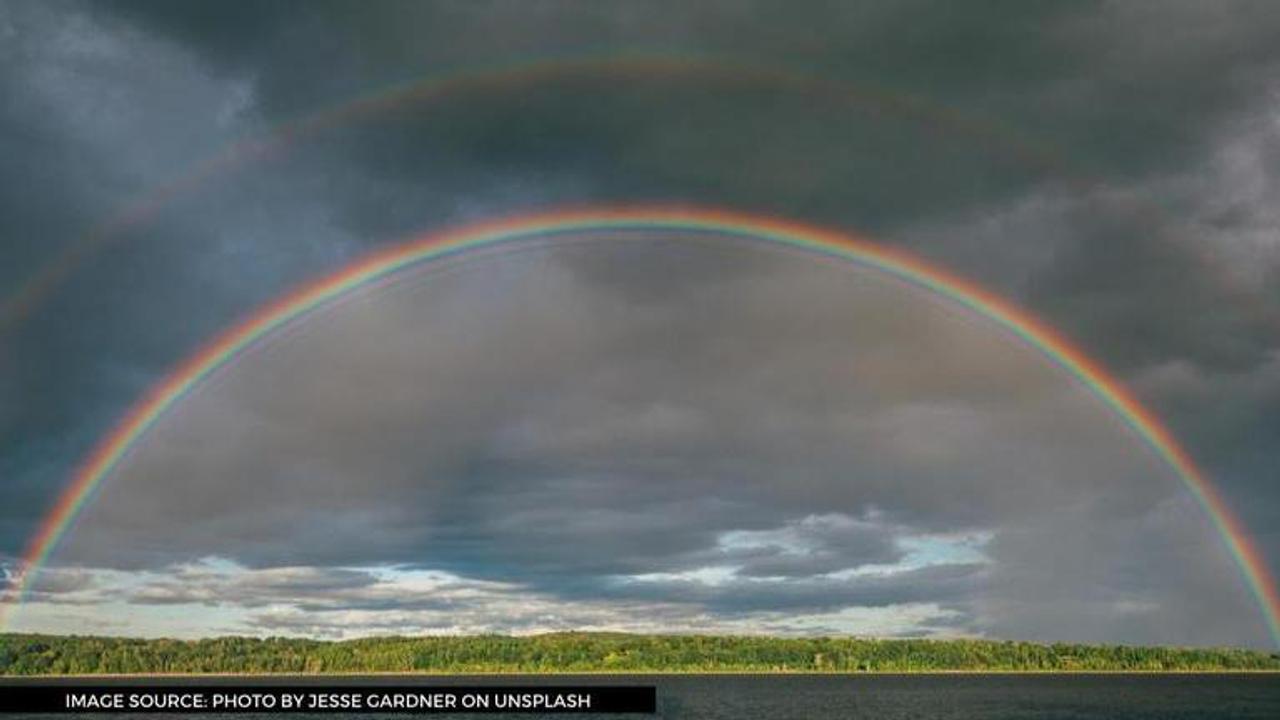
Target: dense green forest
{"type": "Point", "coordinates": [22, 654]}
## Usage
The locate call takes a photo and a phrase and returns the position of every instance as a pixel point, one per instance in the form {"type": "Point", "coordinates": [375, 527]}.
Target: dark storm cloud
{"type": "Point", "coordinates": [1064, 73]}
{"type": "Point", "coordinates": [730, 136]}
{"type": "Point", "coordinates": [1069, 85]}
{"type": "Point", "coordinates": [95, 113]}
{"type": "Point", "coordinates": [1063, 67]}
{"type": "Point", "coordinates": [1110, 165]}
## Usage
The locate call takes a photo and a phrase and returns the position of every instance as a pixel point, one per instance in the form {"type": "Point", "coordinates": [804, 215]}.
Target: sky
{"type": "Point", "coordinates": [654, 430]}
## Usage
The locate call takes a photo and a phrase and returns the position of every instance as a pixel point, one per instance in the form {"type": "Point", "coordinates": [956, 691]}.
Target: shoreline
{"type": "Point", "coordinates": [596, 655]}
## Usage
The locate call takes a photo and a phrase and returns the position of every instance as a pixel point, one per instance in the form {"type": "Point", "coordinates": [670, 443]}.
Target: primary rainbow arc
{"type": "Point", "coordinates": [903, 266]}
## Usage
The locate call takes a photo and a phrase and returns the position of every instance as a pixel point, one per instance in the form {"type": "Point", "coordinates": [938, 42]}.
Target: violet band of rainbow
{"type": "Point", "coordinates": [898, 264]}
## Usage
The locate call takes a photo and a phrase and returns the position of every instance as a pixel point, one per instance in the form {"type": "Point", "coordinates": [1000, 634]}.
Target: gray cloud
{"type": "Point", "coordinates": [61, 586]}
{"type": "Point", "coordinates": [198, 585]}
{"type": "Point", "coordinates": [344, 603]}
{"type": "Point", "coordinates": [947, 585]}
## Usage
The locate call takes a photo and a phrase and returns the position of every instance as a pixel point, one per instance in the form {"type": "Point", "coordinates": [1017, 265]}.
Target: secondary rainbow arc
{"type": "Point", "coordinates": [277, 140]}
{"type": "Point", "coordinates": [907, 268]}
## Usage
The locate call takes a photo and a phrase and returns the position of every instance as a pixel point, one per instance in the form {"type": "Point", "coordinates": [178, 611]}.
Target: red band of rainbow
{"type": "Point", "coordinates": [903, 266]}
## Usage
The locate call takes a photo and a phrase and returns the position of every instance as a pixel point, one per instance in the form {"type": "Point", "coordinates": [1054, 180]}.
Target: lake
{"type": "Point", "coordinates": [969, 697]}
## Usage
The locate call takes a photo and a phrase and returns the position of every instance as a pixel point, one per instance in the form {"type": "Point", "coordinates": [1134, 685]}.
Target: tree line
{"type": "Point", "coordinates": [33, 654]}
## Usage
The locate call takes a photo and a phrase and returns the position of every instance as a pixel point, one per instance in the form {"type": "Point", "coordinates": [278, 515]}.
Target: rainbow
{"type": "Point", "coordinates": [895, 263]}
